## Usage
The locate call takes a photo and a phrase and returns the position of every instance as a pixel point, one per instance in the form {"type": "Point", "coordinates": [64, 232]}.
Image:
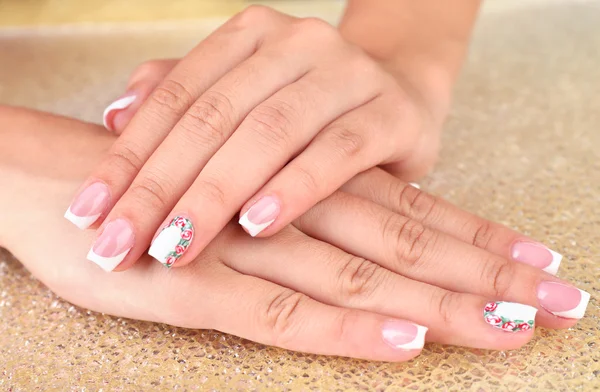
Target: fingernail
{"type": "Point", "coordinates": [113, 108]}
{"type": "Point", "coordinates": [562, 300]}
{"type": "Point", "coordinates": [113, 245]}
{"type": "Point", "coordinates": [536, 255]}
{"type": "Point", "coordinates": [260, 215]}
{"type": "Point", "coordinates": [414, 185]}
{"type": "Point", "coordinates": [403, 334]}
{"type": "Point", "coordinates": [88, 205]}
{"type": "Point", "coordinates": [173, 241]}
{"type": "Point", "coordinates": [510, 316]}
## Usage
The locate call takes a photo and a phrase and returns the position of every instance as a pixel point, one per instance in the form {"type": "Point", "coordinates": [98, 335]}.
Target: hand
{"type": "Point", "coordinates": [414, 261]}
{"type": "Point", "coordinates": [271, 127]}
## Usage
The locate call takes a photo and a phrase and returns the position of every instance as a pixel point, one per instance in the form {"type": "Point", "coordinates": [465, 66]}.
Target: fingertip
{"type": "Point", "coordinates": [260, 215]}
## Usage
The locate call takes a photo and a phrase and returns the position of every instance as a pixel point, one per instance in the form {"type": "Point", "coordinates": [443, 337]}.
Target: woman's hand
{"type": "Point", "coordinates": [270, 114]}
{"type": "Point", "coordinates": [403, 258]}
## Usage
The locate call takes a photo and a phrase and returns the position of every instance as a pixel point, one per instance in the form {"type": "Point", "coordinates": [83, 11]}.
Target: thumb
{"type": "Point", "coordinates": [142, 82]}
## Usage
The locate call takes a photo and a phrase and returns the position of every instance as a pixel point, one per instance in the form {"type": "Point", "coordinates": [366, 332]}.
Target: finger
{"type": "Point", "coordinates": [352, 143]}
{"type": "Point", "coordinates": [334, 277]}
{"type": "Point", "coordinates": [271, 133]}
{"type": "Point", "coordinates": [264, 312]}
{"type": "Point", "coordinates": [142, 82]}
{"type": "Point", "coordinates": [175, 177]}
{"type": "Point", "coordinates": [160, 113]}
{"type": "Point", "coordinates": [406, 247]}
{"type": "Point", "coordinates": [436, 213]}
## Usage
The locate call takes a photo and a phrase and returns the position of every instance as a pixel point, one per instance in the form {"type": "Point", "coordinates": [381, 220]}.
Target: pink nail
{"type": "Point", "coordinates": [260, 215]}
{"type": "Point", "coordinates": [113, 244]}
{"type": "Point", "coordinates": [562, 300]}
{"type": "Point", "coordinates": [88, 205]}
{"type": "Point", "coordinates": [114, 108]}
{"type": "Point", "coordinates": [536, 255]}
{"type": "Point", "coordinates": [403, 334]}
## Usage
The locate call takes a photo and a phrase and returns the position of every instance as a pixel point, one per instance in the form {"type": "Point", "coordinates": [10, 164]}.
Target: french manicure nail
{"type": "Point", "coordinates": [509, 316]}
{"type": "Point", "coordinates": [173, 241]}
{"type": "Point", "coordinates": [403, 334]}
{"type": "Point", "coordinates": [113, 245]}
{"type": "Point", "coordinates": [536, 255]}
{"type": "Point", "coordinates": [88, 205]}
{"type": "Point", "coordinates": [260, 215]}
{"type": "Point", "coordinates": [119, 104]}
{"type": "Point", "coordinates": [414, 185]}
{"type": "Point", "coordinates": [562, 300]}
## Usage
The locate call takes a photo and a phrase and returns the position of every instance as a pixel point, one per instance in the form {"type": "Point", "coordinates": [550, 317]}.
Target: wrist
{"type": "Point", "coordinates": [420, 43]}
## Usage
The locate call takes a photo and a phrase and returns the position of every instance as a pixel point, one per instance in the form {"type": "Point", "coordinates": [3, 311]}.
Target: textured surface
{"type": "Point", "coordinates": [521, 148]}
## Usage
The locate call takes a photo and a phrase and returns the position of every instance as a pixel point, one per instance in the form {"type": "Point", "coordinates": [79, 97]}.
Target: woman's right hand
{"type": "Point", "coordinates": [400, 259]}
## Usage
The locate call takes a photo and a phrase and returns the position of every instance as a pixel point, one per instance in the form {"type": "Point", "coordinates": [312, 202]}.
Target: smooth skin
{"type": "Point", "coordinates": [292, 290]}
{"type": "Point", "coordinates": [286, 108]}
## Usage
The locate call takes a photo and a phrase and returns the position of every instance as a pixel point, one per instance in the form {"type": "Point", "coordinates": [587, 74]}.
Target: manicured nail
{"type": "Point", "coordinates": [415, 185]}
{"type": "Point", "coordinates": [113, 108]}
{"type": "Point", "coordinates": [562, 300]}
{"type": "Point", "coordinates": [113, 245]}
{"type": "Point", "coordinates": [89, 204]}
{"type": "Point", "coordinates": [260, 215]}
{"type": "Point", "coordinates": [403, 334]}
{"type": "Point", "coordinates": [172, 242]}
{"type": "Point", "coordinates": [536, 255]}
{"type": "Point", "coordinates": [510, 316]}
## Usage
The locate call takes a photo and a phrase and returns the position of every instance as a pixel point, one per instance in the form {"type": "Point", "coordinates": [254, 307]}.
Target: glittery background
{"type": "Point", "coordinates": [521, 147]}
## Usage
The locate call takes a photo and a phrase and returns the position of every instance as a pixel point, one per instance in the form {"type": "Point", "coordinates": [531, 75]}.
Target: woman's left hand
{"type": "Point", "coordinates": [270, 114]}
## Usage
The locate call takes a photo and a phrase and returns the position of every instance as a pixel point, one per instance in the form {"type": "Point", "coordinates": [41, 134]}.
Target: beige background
{"type": "Point", "coordinates": [521, 147]}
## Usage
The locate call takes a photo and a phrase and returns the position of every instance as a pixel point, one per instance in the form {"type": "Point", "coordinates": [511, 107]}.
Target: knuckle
{"type": "Point", "coordinates": [411, 241]}
{"type": "Point", "coordinates": [483, 235]}
{"type": "Point", "coordinates": [416, 204]}
{"type": "Point", "coordinates": [213, 191]}
{"type": "Point", "coordinates": [316, 26]}
{"type": "Point", "coordinates": [207, 121]}
{"type": "Point", "coordinates": [173, 96]}
{"type": "Point", "coordinates": [253, 15]}
{"type": "Point", "coordinates": [153, 191]}
{"type": "Point", "coordinates": [272, 123]}
{"type": "Point", "coordinates": [498, 274]}
{"type": "Point", "coordinates": [448, 303]}
{"type": "Point", "coordinates": [309, 180]}
{"type": "Point", "coordinates": [281, 315]}
{"type": "Point", "coordinates": [124, 160]}
{"type": "Point", "coordinates": [358, 279]}
{"type": "Point", "coordinates": [347, 142]}
{"type": "Point", "coordinates": [148, 68]}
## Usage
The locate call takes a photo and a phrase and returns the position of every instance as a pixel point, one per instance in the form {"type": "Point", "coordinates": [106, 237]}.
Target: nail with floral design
{"type": "Point", "coordinates": [509, 316]}
{"type": "Point", "coordinates": [173, 241]}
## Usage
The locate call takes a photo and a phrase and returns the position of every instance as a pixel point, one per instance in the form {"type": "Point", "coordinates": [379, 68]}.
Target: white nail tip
{"type": "Point", "coordinates": [106, 263]}
{"type": "Point", "coordinates": [119, 104]}
{"type": "Point", "coordinates": [415, 185]}
{"type": "Point", "coordinates": [579, 311]}
{"type": "Point", "coordinates": [165, 243]}
{"type": "Point", "coordinates": [418, 342]}
{"type": "Point", "coordinates": [253, 228]}
{"type": "Point", "coordinates": [83, 222]}
{"type": "Point", "coordinates": [556, 260]}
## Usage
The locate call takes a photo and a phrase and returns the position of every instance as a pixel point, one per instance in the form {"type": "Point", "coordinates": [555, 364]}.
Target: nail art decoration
{"type": "Point", "coordinates": [173, 241]}
{"type": "Point", "coordinates": [509, 316]}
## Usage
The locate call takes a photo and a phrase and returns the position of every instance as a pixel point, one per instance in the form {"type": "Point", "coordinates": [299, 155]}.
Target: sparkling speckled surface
{"type": "Point", "coordinates": [521, 148]}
